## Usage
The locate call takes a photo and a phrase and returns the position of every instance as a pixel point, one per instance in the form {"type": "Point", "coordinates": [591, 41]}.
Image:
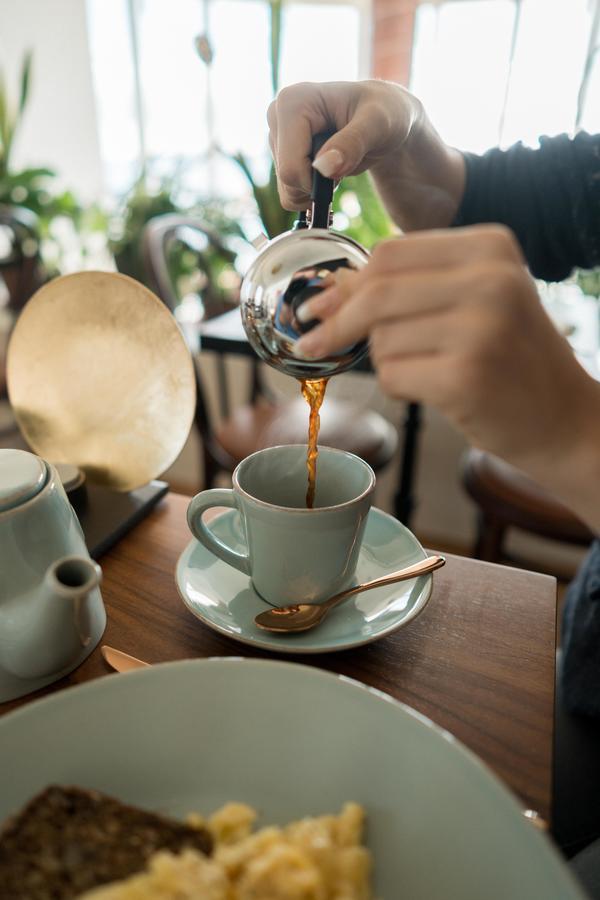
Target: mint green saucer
{"type": "Point", "coordinates": [224, 599]}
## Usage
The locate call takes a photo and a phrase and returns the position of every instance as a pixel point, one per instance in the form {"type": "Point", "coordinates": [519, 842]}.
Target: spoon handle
{"type": "Point", "coordinates": [429, 564]}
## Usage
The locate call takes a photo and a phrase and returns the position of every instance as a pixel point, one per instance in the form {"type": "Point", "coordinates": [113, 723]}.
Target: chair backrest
{"type": "Point", "coordinates": [183, 248]}
{"type": "Point", "coordinates": [163, 241]}
{"type": "Point", "coordinates": [20, 262]}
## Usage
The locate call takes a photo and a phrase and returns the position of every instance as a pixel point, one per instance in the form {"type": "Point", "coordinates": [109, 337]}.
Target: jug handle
{"type": "Point", "coordinates": [202, 502]}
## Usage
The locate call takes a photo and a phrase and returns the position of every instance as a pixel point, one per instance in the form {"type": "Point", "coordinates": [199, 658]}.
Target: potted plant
{"type": "Point", "coordinates": [33, 188]}
{"type": "Point", "coordinates": [151, 198]}
{"type": "Point", "coordinates": [589, 281]}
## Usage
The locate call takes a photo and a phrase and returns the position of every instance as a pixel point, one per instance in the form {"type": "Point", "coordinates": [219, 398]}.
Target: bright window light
{"type": "Point", "coordinates": [477, 98]}
{"type": "Point", "coordinates": [188, 108]}
{"type": "Point", "coordinates": [460, 66]}
{"type": "Point", "coordinates": [112, 67]}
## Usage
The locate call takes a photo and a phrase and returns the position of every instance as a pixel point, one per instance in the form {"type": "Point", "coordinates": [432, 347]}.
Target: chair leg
{"type": "Point", "coordinates": [211, 468]}
{"type": "Point", "coordinates": [490, 539]}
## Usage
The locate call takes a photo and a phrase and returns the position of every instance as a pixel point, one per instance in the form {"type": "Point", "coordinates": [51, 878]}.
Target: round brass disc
{"type": "Point", "coordinates": [100, 376]}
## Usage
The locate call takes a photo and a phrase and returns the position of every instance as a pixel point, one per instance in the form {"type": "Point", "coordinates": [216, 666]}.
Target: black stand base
{"type": "Point", "coordinates": [107, 515]}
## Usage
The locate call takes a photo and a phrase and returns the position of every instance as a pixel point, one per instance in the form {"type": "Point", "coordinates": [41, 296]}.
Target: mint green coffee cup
{"type": "Point", "coordinates": [294, 554]}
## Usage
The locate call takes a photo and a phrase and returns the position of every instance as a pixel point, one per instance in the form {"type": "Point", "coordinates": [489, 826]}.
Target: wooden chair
{"type": "Point", "coordinates": [20, 262]}
{"type": "Point", "coordinates": [21, 274]}
{"type": "Point", "coordinates": [163, 237]}
{"type": "Point", "coordinates": [506, 498]}
{"type": "Point", "coordinates": [264, 421]}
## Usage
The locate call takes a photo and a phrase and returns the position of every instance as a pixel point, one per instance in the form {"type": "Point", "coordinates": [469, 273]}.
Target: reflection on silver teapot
{"type": "Point", "coordinates": [290, 270]}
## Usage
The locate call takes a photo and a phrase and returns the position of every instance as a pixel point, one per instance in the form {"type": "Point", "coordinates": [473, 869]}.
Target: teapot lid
{"type": "Point", "coordinates": [22, 476]}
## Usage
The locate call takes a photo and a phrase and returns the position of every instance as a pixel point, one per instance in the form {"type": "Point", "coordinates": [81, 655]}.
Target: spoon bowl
{"type": "Point", "coordinates": [304, 616]}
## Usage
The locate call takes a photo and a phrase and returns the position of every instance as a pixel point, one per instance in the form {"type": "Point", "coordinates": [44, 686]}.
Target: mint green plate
{"type": "Point", "coordinates": [224, 599]}
{"type": "Point", "coordinates": [291, 741]}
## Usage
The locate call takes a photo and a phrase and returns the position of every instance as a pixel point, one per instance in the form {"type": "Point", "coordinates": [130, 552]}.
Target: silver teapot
{"type": "Point", "coordinates": [287, 272]}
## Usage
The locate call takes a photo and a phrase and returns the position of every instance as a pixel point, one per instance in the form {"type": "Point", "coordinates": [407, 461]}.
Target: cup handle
{"type": "Point", "coordinates": [207, 500]}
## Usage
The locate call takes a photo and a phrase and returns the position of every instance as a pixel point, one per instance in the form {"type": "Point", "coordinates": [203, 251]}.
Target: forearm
{"type": "Point", "coordinates": [423, 187]}
{"type": "Point", "coordinates": [549, 197]}
{"type": "Point", "coordinates": [570, 470]}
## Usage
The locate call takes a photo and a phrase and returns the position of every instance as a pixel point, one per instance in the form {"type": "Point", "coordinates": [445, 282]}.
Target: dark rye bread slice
{"type": "Point", "coordinates": [68, 840]}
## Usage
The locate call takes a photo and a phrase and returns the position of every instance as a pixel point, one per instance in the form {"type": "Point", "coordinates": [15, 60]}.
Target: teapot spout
{"type": "Point", "coordinates": [73, 577]}
{"type": "Point", "coordinates": [62, 619]}
{"type": "Point", "coordinates": [70, 585]}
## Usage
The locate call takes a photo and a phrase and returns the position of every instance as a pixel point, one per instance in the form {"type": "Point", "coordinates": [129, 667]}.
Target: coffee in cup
{"type": "Point", "coordinates": [294, 554]}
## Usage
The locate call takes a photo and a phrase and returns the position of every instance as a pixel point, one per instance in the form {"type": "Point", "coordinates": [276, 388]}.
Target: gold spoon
{"type": "Point", "coordinates": [302, 616]}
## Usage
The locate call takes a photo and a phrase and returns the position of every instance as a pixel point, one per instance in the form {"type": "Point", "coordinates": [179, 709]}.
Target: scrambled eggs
{"type": "Point", "coordinates": [318, 858]}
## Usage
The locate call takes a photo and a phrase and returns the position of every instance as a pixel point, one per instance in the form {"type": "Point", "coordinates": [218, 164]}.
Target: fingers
{"type": "Point", "coordinates": [344, 153]}
{"type": "Point", "coordinates": [481, 251]}
{"type": "Point", "coordinates": [414, 276]}
{"type": "Point", "coordinates": [416, 378]}
{"type": "Point", "coordinates": [376, 301]}
{"type": "Point", "coordinates": [295, 195]}
{"type": "Point", "coordinates": [360, 122]}
{"type": "Point", "coordinates": [422, 335]}
{"type": "Point", "coordinates": [293, 117]}
{"type": "Point", "coordinates": [371, 118]}
{"type": "Point", "coordinates": [439, 249]}
{"type": "Point", "coordinates": [372, 121]}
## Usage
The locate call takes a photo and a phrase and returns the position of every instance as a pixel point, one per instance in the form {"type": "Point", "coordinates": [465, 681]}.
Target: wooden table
{"type": "Point", "coordinates": [479, 660]}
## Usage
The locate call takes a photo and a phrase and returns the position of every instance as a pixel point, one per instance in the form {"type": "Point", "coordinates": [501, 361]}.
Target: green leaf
{"type": "Point", "coordinates": [3, 106]}
{"type": "Point", "coordinates": [8, 123]}
{"type": "Point", "coordinates": [7, 142]}
{"type": "Point", "coordinates": [5, 139]}
{"type": "Point", "coordinates": [589, 281]}
{"type": "Point", "coordinates": [275, 16]}
{"type": "Point", "coordinates": [371, 224]}
{"type": "Point", "coordinates": [25, 81]}
{"type": "Point", "coordinates": [95, 218]}
{"type": "Point", "coordinates": [66, 204]}
{"type": "Point", "coordinates": [28, 177]}
{"type": "Point", "coordinates": [274, 217]}
{"type": "Point", "coordinates": [240, 159]}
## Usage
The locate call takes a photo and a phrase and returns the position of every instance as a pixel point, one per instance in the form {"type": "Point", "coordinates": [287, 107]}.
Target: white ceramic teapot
{"type": "Point", "coordinates": [51, 610]}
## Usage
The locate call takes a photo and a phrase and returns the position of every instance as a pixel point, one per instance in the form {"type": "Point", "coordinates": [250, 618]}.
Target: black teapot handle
{"type": "Point", "coordinates": [321, 193]}
{"type": "Point", "coordinates": [322, 188]}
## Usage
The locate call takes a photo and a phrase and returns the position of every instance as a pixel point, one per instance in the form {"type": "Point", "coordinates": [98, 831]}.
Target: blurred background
{"type": "Point", "coordinates": [114, 112]}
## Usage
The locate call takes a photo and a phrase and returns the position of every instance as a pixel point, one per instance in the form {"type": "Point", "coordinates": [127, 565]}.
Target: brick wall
{"type": "Point", "coordinates": [393, 24]}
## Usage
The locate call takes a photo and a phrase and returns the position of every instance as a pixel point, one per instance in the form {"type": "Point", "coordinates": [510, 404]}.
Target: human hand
{"type": "Point", "coordinates": [454, 321]}
{"type": "Point", "coordinates": [379, 126]}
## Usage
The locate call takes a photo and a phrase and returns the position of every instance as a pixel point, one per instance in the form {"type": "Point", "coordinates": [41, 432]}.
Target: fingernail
{"type": "Point", "coordinates": [303, 313]}
{"type": "Point", "coordinates": [329, 163]}
{"type": "Point", "coordinates": [306, 348]}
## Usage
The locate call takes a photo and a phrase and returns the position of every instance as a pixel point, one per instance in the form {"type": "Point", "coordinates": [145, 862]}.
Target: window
{"type": "Point", "coordinates": [184, 108]}
{"type": "Point", "coordinates": [492, 72]}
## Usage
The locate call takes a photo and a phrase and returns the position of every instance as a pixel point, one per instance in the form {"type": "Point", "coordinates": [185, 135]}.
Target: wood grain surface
{"type": "Point", "coordinates": [479, 661]}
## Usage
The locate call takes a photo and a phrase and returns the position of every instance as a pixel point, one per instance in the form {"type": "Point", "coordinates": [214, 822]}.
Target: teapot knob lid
{"type": "Point", "coordinates": [22, 476]}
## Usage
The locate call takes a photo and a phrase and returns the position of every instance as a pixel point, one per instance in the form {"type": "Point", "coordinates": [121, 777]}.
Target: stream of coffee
{"type": "Point", "coordinates": [313, 391]}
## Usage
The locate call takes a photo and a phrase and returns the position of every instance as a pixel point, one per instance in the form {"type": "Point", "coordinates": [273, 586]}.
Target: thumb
{"type": "Point", "coordinates": [343, 154]}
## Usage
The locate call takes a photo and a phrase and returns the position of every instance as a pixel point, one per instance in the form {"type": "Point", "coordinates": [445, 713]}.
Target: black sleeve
{"type": "Point", "coordinates": [550, 197]}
